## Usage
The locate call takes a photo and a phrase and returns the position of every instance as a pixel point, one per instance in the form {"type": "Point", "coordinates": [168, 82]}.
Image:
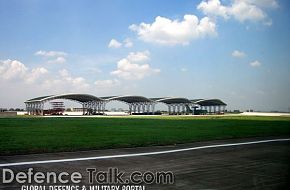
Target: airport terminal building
{"type": "Point", "coordinates": [92, 105]}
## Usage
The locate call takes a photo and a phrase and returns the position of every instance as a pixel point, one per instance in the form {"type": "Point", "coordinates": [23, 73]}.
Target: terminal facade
{"type": "Point", "coordinates": [136, 104]}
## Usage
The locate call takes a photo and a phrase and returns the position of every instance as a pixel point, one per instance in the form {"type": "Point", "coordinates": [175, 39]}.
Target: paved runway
{"type": "Point", "coordinates": [255, 166]}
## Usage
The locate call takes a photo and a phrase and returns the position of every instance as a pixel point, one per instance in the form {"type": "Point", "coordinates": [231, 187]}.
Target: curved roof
{"type": "Point", "coordinates": [128, 99]}
{"type": "Point", "coordinates": [210, 102]}
{"type": "Point", "coordinates": [76, 97]}
{"type": "Point", "coordinates": [172, 100]}
{"type": "Point", "coordinates": [196, 100]}
{"type": "Point", "coordinates": [38, 98]}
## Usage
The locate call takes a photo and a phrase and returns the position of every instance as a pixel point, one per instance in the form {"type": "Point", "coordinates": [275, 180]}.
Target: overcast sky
{"type": "Point", "coordinates": [235, 50]}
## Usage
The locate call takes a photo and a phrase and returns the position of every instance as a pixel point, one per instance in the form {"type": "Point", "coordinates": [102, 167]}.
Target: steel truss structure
{"type": "Point", "coordinates": [137, 104]}
{"type": "Point", "coordinates": [211, 105]}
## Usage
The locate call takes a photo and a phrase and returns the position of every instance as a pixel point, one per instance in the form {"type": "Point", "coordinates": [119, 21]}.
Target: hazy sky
{"type": "Point", "coordinates": [235, 50]}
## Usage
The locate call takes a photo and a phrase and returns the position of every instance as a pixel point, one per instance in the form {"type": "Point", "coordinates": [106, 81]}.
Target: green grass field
{"type": "Point", "coordinates": [22, 135]}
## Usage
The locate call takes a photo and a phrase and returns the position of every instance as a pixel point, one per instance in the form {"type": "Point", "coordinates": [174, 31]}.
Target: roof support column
{"type": "Point", "coordinates": [103, 107]}
{"type": "Point", "coordinates": [94, 107]}
{"type": "Point", "coordinates": [99, 107]}
{"type": "Point", "coordinates": [148, 108]}
{"type": "Point", "coordinates": [36, 109]}
{"type": "Point", "coordinates": [28, 108]}
{"type": "Point", "coordinates": [41, 108]}
{"type": "Point", "coordinates": [130, 109]}
{"type": "Point", "coordinates": [183, 109]}
{"type": "Point", "coordinates": [88, 108]}
{"type": "Point", "coordinates": [140, 107]}
{"type": "Point", "coordinates": [32, 108]}
{"type": "Point", "coordinates": [83, 105]}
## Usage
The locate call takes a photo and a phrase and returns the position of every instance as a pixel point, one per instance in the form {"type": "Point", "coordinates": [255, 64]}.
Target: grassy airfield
{"type": "Point", "coordinates": [24, 135]}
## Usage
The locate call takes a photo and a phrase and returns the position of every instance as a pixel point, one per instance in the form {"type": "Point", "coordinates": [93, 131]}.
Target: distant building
{"type": "Point", "coordinates": [137, 104]}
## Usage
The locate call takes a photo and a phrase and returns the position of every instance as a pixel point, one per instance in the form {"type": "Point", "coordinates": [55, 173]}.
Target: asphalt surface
{"type": "Point", "coordinates": [256, 166]}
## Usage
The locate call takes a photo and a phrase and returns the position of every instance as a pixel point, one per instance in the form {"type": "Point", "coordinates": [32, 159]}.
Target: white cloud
{"type": "Point", "coordinates": [255, 63]}
{"type": "Point", "coordinates": [57, 60]}
{"type": "Point", "coordinates": [139, 56]}
{"type": "Point", "coordinates": [39, 77]}
{"type": "Point", "coordinates": [15, 70]}
{"type": "Point", "coordinates": [264, 3]}
{"type": "Point", "coordinates": [130, 68]}
{"type": "Point", "coordinates": [12, 69]}
{"type": "Point", "coordinates": [65, 82]}
{"type": "Point", "coordinates": [107, 83]}
{"type": "Point", "coordinates": [35, 74]}
{"type": "Point", "coordinates": [114, 44]}
{"type": "Point", "coordinates": [51, 53]}
{"type": "Point", "coordinates": [243, 11]}
{"type": "Point", "coordinates": [213, 8]}
{"type": "Point", "coordinates": [64, 73]}
{"type": "Point", "coordinates": [128, 43]}
{"type": "Point", "coordinates": [75, 81]}
{"type": "Point", "coordinates": [171, 32]}
{"type": "Point", "coordinates": [52, 56]}
{"type": "Point", "coordinates": [246, 10]}
{"type": "Point", "coordinates": [238, 54]}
